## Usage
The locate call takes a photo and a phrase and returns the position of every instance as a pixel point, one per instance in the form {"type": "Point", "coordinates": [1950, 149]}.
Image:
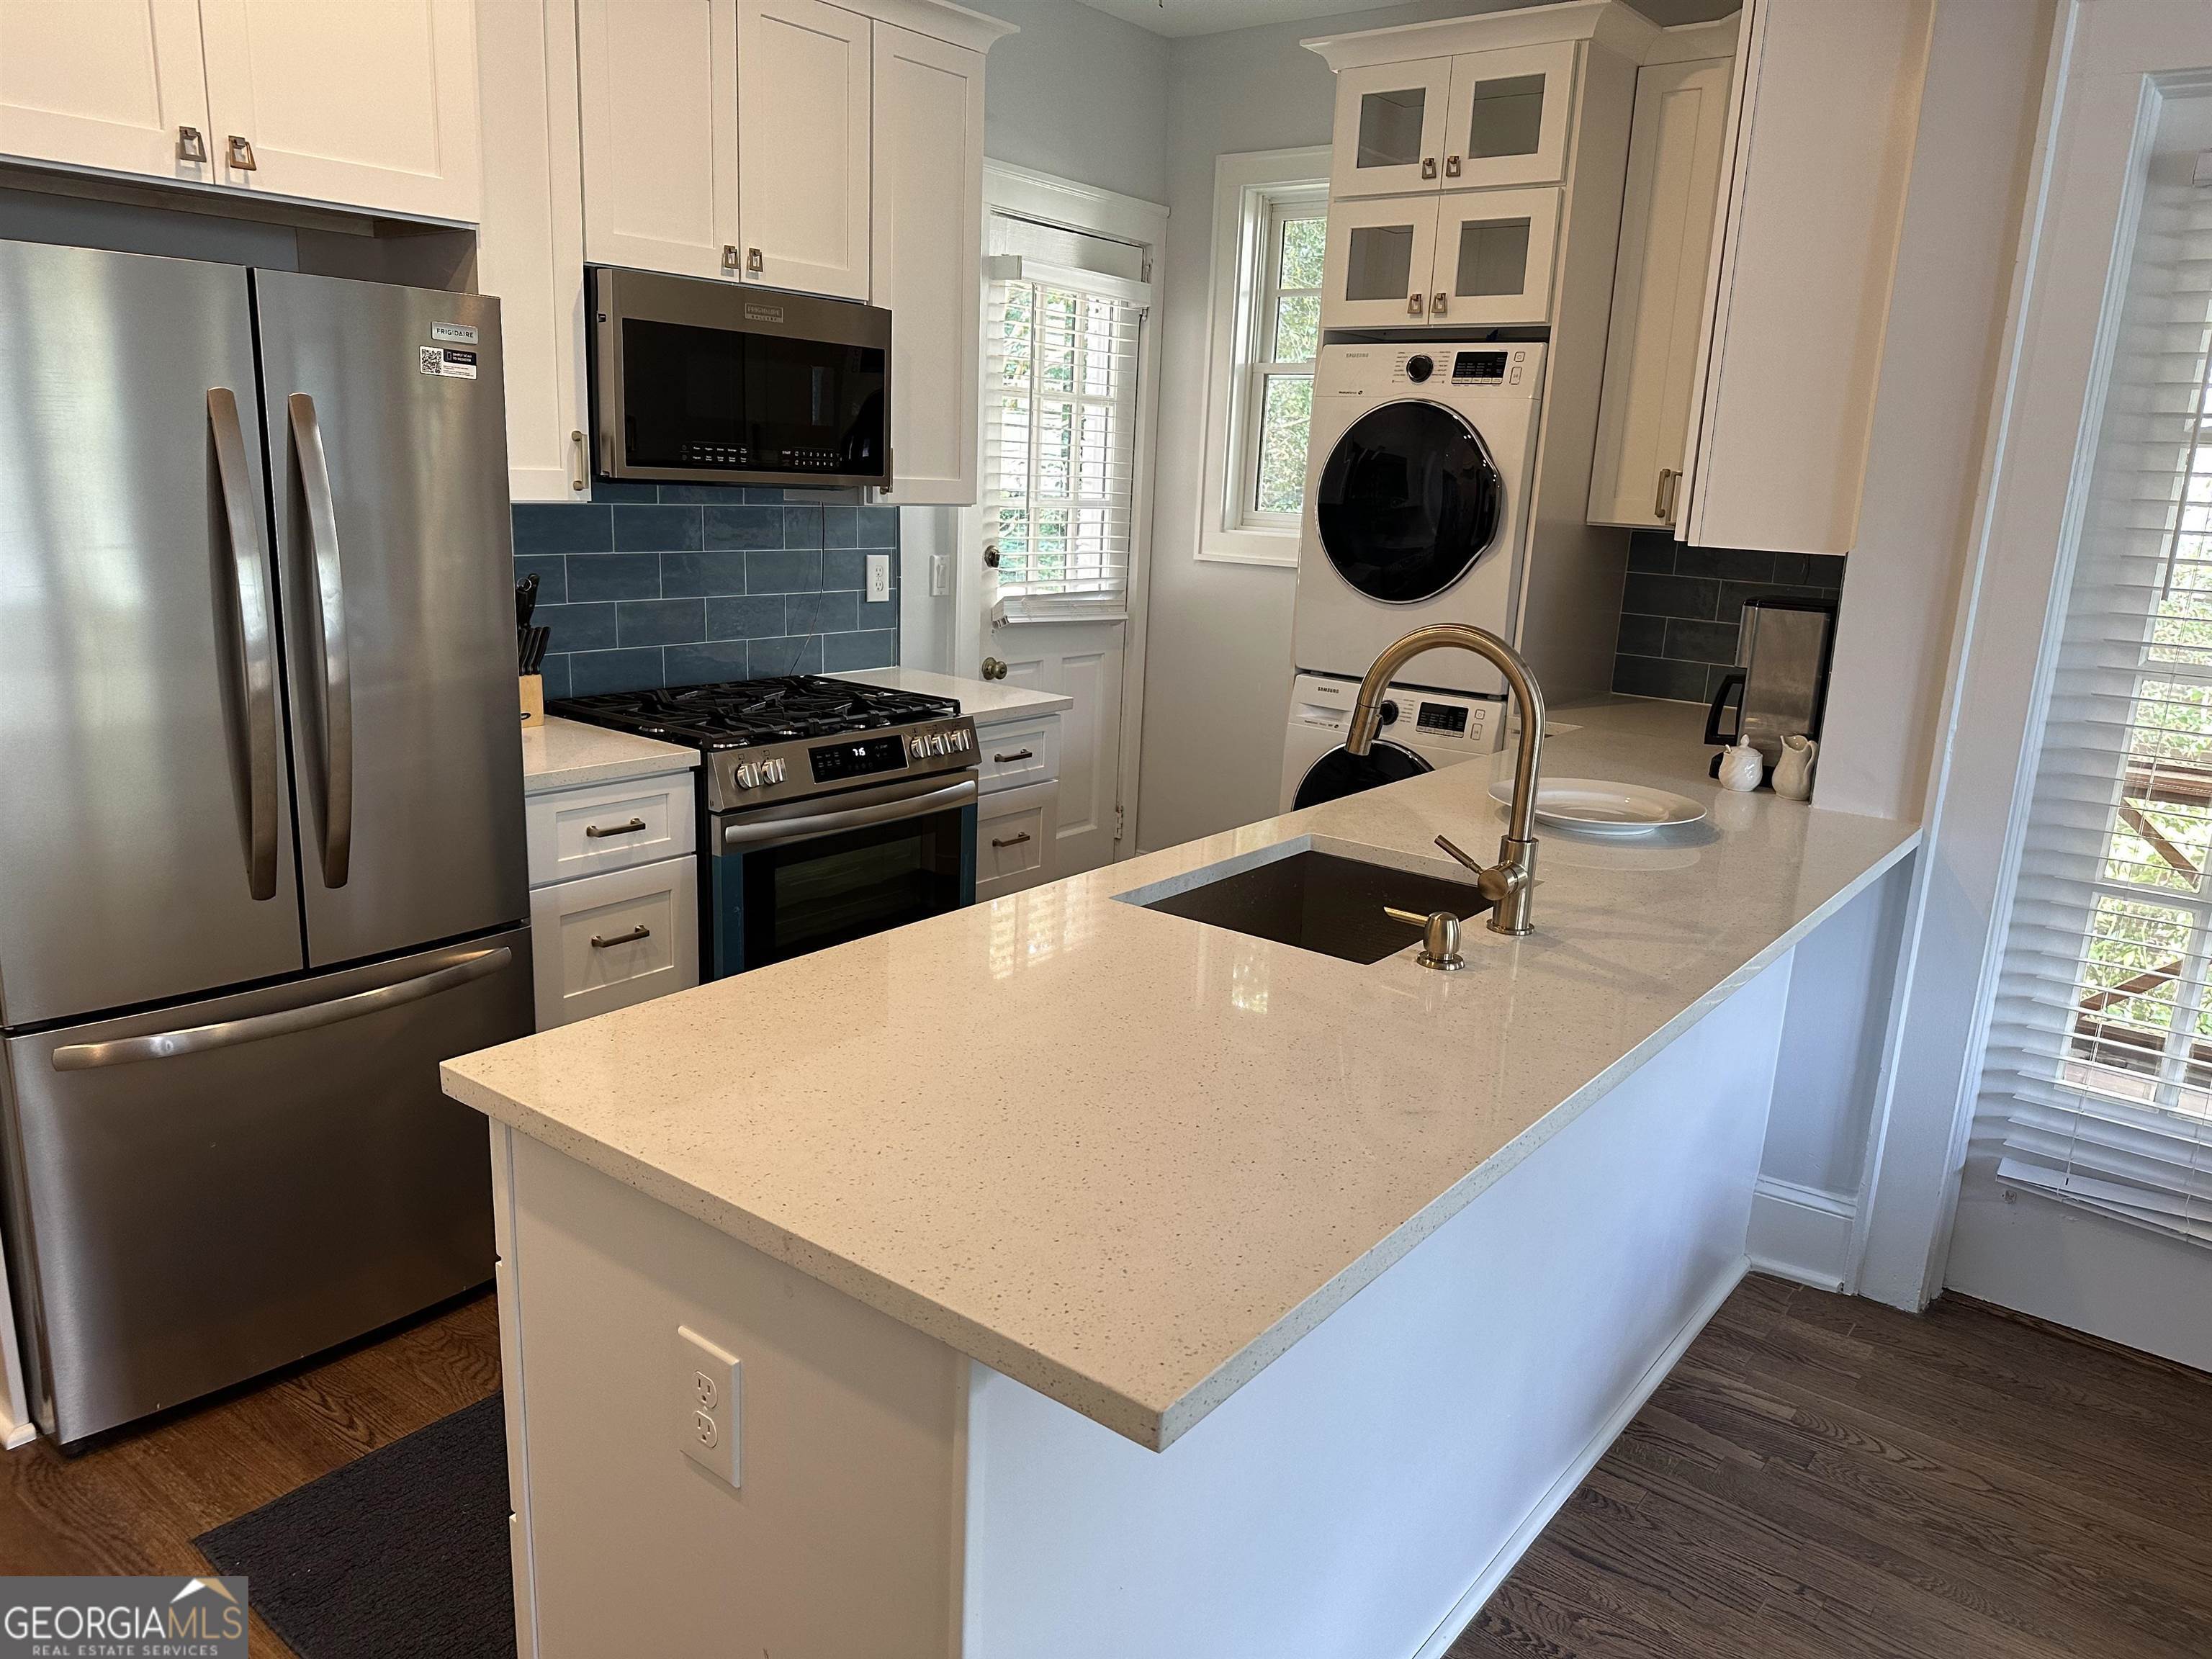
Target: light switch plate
{"type": "Point", "coordinates": [940, 575]}
{"type": "Point", "coordinates": [707, 1398]}
{"type": "Point", "coordinates": [879, 578]}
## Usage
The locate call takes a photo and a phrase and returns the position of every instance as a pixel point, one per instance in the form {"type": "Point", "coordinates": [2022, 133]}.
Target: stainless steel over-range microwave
{"type": "Point", "coordinates": [708, 382]}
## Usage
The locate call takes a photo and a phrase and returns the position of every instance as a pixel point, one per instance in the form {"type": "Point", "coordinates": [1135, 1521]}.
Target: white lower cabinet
{"type": "Point", "coordinates": [605, 942]}
{"type": "Point", "coordinates": [1014, 831]}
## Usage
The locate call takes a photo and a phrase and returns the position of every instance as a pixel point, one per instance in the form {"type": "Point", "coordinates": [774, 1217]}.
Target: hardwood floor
{"type": "Point", "coordinates": [1821, 1476]}
{"type": "Point", "coordinates": [135, 1502]}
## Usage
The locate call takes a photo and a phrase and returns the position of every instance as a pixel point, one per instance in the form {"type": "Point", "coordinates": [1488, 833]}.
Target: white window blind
{"type": "Point", "coordinates": [2097, 1086]}
{"type": "Point", "coordinates": [1059, 378]}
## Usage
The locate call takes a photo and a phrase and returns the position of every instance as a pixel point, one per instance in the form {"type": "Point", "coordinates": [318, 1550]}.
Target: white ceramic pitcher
{"type": "Point", "coordinates": [1793, 773]}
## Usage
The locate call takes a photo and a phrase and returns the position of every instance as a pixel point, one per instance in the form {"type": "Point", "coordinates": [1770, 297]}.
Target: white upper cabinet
{"type": "Point", "coordinates": [927, 242]}
{"type": "Point", "coordinates": [1478, 257]}
{"type": "Point", "coordinates": [1507, 119]}
{"type": "Point", "coordinates": [371, 104]}
{"type": "Point", "coordinates": [1659, 291]}
{"type": "Point", "coordinates": [804, 114]}
{"type": "Point", "coordinates": [658, 80]}
{"type": "Point", "coordinates": [1821, 149]}
{"type": "Point", "coordinates": [1380, 257]}
{"type": "Point", "coordinates": [112, 84]}
{"type": "Point", "coordinates": [1391, 124]}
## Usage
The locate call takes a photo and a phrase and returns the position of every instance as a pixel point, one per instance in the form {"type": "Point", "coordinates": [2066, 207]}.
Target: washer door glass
{"type": "Point", "coordinates": [1408, 501]}
{"type": "Point", "coordinates": [1341, 773]}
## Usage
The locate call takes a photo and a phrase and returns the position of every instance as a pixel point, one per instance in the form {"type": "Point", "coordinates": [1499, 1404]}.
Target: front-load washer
{"type": "Point", "coordinates": [1422, 730]}
{"type": "Point", "coordinates": [1418, 475]}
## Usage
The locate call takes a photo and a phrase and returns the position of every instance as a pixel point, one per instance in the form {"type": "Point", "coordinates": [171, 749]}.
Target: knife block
{"type": "Point", "coordinates": [533, 699]}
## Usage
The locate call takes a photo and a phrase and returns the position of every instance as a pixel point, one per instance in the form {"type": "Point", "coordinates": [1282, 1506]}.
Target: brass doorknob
{"type": "Point", "coordinates": [994, 669]}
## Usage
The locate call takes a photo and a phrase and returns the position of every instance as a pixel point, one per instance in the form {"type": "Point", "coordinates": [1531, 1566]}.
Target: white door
{"type": "Point", "coordinates": [1508, 117]}
{"type": "Point", "coordinates": [659, 80]}
{"type": "Point", "coordinates": [803, 163]}
{"type": "Point", "coordinates": [1082, 660]}
{"type": "Point", "coordinates": [1493, 256]}
{"type": "Point", "coordinates": [1381, 255]}
{"type": "Point", "coordinates": [371, 105]}
{"type": "Point", "coordinates": [1674, 153]}
{"type": "Point", "coordinates": [114, 84]}
{"type": "Point", "coordinates": [1389, 133]}
{"type": "Point", "coordinates": [926, 245]}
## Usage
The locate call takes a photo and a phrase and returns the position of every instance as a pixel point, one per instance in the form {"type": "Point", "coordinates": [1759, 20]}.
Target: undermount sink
{"type": "Point", "coordinates": [1323, 901]}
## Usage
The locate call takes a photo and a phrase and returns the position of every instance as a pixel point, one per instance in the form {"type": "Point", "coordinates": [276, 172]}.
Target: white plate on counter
{"type": "Point", "coordinates": [1600, 807]}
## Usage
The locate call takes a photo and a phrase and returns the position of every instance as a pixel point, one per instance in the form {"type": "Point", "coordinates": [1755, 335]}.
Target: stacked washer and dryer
{"type": "Point", "coordinates": [1420, 471]}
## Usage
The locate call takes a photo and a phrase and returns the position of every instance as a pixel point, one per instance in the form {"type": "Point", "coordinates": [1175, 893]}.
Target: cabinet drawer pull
{"type": "Point", "coordinates": [579, 481]}
{"type": "Point", "coordinates": [1019, 755]}
{"type": "Point", "coordinates": [1011, 840]}
{"type": "Point", "coordinates": [1663, 500]}
{"type": "Point", "coordinates": [600, 833]}
{"type": "Point", "coordinates": [631, 938]}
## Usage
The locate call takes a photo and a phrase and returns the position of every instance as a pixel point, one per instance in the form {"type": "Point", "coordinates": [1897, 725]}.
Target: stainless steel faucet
{"type": "Point", "coordinates": [1509, 883]}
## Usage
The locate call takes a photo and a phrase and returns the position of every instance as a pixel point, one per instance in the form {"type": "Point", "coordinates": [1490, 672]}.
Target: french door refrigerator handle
{"type": "Point", "coordinates": [322, 517]}
{"type": "Point", "coordinates": [249, 558]}
{"type": "Point", "coordinates": [257, 1027]}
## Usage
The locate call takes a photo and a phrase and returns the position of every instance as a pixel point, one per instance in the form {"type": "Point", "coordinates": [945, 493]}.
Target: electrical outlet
{"type": "Point", "coordinates": [879, 577]}
{"type": "Point", "coordinates": [707, 1396]}
{"type": "Point", "coordinates": [940, 575]}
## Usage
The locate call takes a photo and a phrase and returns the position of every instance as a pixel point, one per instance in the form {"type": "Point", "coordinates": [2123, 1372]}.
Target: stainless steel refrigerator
{"type": "Point", "coordinates": [261, 841]}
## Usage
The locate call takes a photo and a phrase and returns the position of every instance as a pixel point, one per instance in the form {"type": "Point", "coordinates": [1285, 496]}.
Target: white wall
{"type": "Point", "coordinates": [1077, 94]}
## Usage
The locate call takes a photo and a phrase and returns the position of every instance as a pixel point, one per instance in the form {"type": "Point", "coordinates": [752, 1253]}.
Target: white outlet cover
{"type": "Point", "coordinates": [879, 577]}
{"type": "Point", "coordinates": [707, 1395]}
{"type": "Point", "coordinates": [940, 575]}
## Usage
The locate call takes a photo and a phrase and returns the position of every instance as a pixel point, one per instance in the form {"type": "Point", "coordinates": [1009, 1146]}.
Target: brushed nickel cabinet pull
{"type": "Point", "coordinates": [598, 832]}
{"type": "Point", "coordinates": [1451, 166]}
{"type": "Point", "coordinates": [1437, 305]}
{"type": "Point", "coordinates": [1413, 305]}
{"type": "Point", "coordinates": [579, 481]}
{"type": "Point", "coordinates": [191, 147]}
{"type": "Point", "coordinates": [241, 155]}
{"type": "Point", "coordinates": [729, 255]}
{"type": "Point", "coordinates": [1018, 754]}
{"type": "Point", "coordinates": [631, 938]}
{"type": "Point", "coordinates": [1012, 840]}
{"type": "Point", "coordinates": [1428, 167]}
{"type": "Point", "coordinates": [1662, 499]}
{"type": "Point", "coordinates": [753, 265]}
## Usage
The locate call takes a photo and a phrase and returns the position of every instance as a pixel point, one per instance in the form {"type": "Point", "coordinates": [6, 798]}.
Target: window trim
{"type": "Point", "coordinates": [1249, 189]}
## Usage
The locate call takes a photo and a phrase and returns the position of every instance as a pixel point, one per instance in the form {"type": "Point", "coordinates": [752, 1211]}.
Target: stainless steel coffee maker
{"type": "Point", "coordinates": [1781, 682]}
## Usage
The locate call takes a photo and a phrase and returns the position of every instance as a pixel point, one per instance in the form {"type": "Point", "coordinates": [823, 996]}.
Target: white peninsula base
{"type": "Point", "coordinates": [1362, 1495]}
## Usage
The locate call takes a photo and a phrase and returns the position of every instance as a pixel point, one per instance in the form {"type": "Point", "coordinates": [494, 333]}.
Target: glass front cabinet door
{"type": "Point", "coordinates": [1493, 257]}
{"type": "Point", "coordinates": [1390, 128]}
{"type": "Point", "coordinates": [1507, 117]}
{"type": "Point", "coordinates": [1381, 256]}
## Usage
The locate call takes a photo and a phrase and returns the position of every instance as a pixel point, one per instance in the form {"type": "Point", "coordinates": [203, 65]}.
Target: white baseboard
{"type": "Point", "coordinates": [1501, 1565]}
{"type": "Point", "coordinates": [1803, 1234]}
{"type": "Point", "coordinates": [13, 1434]}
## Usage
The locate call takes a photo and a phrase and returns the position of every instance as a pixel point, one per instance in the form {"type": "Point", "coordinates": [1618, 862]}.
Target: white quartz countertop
{"type": "Point", "coordinates": [1129, 1159]}
{"type": "Point", "coordinates": [987, 702]}
{"type": "Point", "coordinates": [563, 754]}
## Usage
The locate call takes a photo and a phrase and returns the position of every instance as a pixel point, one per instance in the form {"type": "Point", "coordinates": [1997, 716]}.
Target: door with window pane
{"type": "Point", "coordinates": [1379, 260]}
{"type": "Point", "coordinates": [1390, 126]}
{"type": "Point", "coordinates": [1286, 336]}
{"type": "Point", "coordinates": [1506, 123]}
{"type": "Point", "coordinates": [1493, 257]}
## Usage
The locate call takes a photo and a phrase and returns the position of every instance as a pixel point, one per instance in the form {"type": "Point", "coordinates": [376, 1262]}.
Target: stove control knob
{"type": "Point", "coordinates": [917, 747]}
{"type": "Point", "coordinates": [937, 743]}
{"type": "Point", "coordinates": [960, 740]}
{"type": "Point", "coordinates": [748, 775]}
{"type": "Point", "coordinates": [771, 771]}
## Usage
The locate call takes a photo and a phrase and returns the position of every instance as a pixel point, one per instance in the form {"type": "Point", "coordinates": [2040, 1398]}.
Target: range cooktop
{"type": "Point", "coordinates": [750, 713]}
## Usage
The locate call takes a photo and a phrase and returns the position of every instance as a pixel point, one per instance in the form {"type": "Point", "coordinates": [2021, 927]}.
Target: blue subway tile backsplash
{"type": "Point", "coordinates": [680, 584]}
{"type": "Point", "coordinates": [1682, 610]}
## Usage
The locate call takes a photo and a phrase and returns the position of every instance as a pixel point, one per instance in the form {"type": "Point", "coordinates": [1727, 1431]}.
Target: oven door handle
{"type": "Point", "coordinates": [853, 817]}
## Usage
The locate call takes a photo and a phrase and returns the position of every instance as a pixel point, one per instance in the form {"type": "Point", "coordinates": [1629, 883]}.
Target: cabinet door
{"type": "Point", "coordinates": [1659, 291]}
{"type": "Point", "coordinates": [803, 121]}
{"type": "Point", "coordinates": [369, 105]}
{"type": "Point", "coordinates": [928, 238]}
{"type": "Point", "coordinates": [105, 83]}
{"type": "Point", "coordinates": [1380, 256]}
{"type": "Point", "coordinates": [1389, 128]}
{"type": "Point", "coordinates": [531, 251]}
{"type": "Point", "coordinates": [1508, 117]}
{"type": "Point", "coordinates": [658, 86]}
{"type": "Point", "coordinates": [1493, 258]}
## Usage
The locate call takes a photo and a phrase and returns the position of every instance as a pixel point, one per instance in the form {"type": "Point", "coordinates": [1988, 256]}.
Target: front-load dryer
{"type": "Point", "coordinates": [1418, 476]}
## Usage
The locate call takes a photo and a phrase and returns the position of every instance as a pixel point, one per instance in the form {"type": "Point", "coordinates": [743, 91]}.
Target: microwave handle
{"type": "Point", "coordinates": [853, 817]}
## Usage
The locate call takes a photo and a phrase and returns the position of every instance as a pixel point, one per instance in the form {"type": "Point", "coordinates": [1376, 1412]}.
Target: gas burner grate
{"type": "Point", "coordinates": [739, 713]}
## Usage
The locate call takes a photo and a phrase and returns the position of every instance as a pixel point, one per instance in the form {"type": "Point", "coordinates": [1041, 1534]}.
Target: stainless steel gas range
{"type": "Point", "coordinates": [829, 810]}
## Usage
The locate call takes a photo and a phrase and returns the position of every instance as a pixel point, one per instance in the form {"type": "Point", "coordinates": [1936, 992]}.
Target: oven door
{"type": "Point", "coordinates": [790, 879]}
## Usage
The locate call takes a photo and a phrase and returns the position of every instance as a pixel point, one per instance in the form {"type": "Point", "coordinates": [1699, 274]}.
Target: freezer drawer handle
{"type": "Point", "coordinates": [337, 688]}
{"type": "Point", "coordinates": [598, 833]}
{"type": "Point", "coordinates": [259, 1028]}
{"type": "Point", "coordinates": [249, 560]}
{"type": "Point", "coordinates": [631, 938]}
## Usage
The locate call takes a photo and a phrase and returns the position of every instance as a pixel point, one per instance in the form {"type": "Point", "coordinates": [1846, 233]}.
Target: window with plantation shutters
{"type": "Point", "coordinates": [1060, 414]}
{"type": "Point", "coordinates": [2097, 1087]}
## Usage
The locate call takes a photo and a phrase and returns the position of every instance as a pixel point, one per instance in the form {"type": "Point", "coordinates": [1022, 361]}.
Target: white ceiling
{"type": "Point", "coordinates": [1186, 17]}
